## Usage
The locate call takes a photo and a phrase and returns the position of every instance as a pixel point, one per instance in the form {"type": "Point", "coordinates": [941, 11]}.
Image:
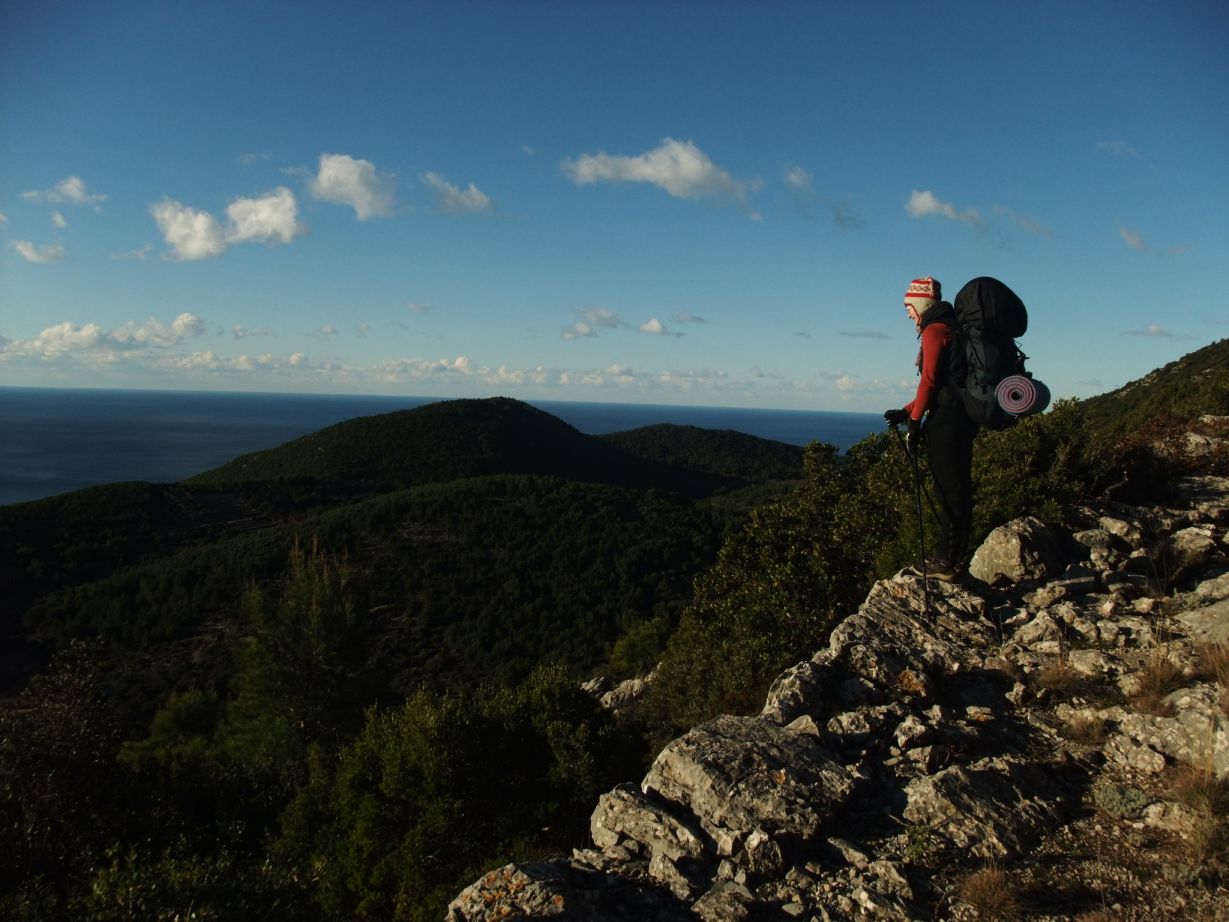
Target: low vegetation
{"type": "Point", "coordinates": [992, 895]}
{"type": "Point", "coordinates": [340, 679]}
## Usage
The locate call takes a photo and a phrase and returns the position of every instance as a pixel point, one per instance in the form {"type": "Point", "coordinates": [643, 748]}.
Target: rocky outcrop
{"type": "Point", "coordinates": [922, 738]}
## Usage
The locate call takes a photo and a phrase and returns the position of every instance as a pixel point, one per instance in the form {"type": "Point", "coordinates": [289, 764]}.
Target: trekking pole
{"type": "Point", "coordinates": [930, 500]}
{"type": "Point", "coordinates": [921, 525]}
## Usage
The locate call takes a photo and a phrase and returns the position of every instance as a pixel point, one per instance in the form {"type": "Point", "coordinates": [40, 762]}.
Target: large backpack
{"type": "Point", "coordinates": [996, 390]}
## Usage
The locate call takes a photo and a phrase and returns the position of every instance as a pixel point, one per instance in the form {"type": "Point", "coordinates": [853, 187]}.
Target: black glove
{"type": "Point", "coordinates": [895, 417]}
{"type": "Point", "coordinates": [913, 438]}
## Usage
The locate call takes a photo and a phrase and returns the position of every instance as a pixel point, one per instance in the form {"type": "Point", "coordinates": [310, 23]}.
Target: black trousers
{"type": "Point", "coordinates": [949, 442]}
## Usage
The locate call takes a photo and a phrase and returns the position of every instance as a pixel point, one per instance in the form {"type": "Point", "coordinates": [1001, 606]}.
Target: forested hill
{"type": "Point", "coordinates": [713, 451]}
{"type": "Point", "coordinates": [1196, 383]}
{"type": "Point", "coordinates": [341, 679]}
{"type": "Point", "coordinates": [136, 560]}
{"type": "Point", "coordinates": [449, 441]}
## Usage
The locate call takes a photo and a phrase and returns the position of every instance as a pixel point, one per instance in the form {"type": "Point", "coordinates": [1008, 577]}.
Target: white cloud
{"type": "Point", "coordinates": [97, 345]}
{"type": "Point", "coordinates": [241, 332]}
{"type": "Point", "coordinates": [656, 328]}
{"type": "Point", "coordinates": [4, 219]}
{"type": "Point", "coordinates": [1151, 330]}
{"type": "Point", "coordinates": [71, 191]}
{"type": "Point", "coordinates": [58, 221]}
{"type": "Point", "coordinates": [140, 254]}
{"type": "Point", "coordinates": [601, 317]}
{"type": "Point", "coordinates": [32, 253]}
{"type": "Point", "coordinates": [272, 218]}
{"type": "Point", "coordinates": [412, 369]}
{"type": "Point", "coordinates": [417, 308]}
{"type": "Point", "coordinates": [191, 234]}
{"type": "Point", "coordinates": [253, 158]}
{"type": "Point", "coordinates": [798, 178]}
{"type": "Point", "coordinates": [1117, 148]}
{"type": "Point", "coordinates": [578, 329]}
{"type": "Point", "coordinates": [1024, 222]}
{"type": "Point", "coordinates": [926, 204]}
{"type": "Point", "coordinates": [591, 320]}
{"type": "Point", "coordinates": [1133, 239]}
{"type": "Point", "coordinates": [362, 329]}
{"type": "Point", "coordinates": [807, 201]}
{"type": "Point", "coordinates": [849, 385]}
{"type": "Point", "coordinates": [677, 167]}
{"type": "Point", "coordinates": [453, 200]}
{"type": "Point", "coordinates": [155, 333]}
{"type": "Point", "coordinates": [61, 338]}
{"type": "Point", "coordinates": [344, 180]}
{"type": "Point", "coordinates": [688, 317]}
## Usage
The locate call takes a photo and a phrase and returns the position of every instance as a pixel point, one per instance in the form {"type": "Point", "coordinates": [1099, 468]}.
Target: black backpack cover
{"type": "Point", "coordinates": [989, 316]}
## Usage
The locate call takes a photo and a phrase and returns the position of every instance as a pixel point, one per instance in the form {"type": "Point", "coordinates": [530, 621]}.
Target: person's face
{"type": "Point", "coordinates": [917, 321]}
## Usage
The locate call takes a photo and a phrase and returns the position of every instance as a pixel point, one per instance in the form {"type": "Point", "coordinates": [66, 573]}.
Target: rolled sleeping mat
{"type": "Point", "coordinates": [1022, 396]}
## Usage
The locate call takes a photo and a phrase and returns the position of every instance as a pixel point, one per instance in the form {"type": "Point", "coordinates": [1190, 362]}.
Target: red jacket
{"type": "Point", "coordinates": [936, 338]}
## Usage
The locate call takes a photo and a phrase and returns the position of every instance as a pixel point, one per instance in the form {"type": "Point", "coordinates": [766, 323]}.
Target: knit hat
{"type": "Point", "coordinates": [923, 294]}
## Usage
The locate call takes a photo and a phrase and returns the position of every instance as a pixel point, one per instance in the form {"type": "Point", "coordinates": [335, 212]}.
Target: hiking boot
{"type": "Point", "coordinates": [943, 570]}
{"type": "Point", "coordinates": [938, 568]}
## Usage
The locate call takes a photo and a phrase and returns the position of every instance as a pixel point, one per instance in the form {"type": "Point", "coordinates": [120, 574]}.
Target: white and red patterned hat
{"type": "Point", "coordinates": [923, 294]}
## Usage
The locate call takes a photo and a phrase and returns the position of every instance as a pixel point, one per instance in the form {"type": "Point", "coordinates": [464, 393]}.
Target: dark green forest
{"type": "Point", "coordinates": [340, 679]}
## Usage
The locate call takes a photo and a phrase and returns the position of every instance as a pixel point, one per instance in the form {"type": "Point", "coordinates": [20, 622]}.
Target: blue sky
{"type": "Point", "coordinates": [675, 202]}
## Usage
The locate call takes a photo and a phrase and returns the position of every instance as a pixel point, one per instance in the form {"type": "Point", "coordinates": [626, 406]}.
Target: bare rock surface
{"type": "Point", "coordinates": [1032, 720]}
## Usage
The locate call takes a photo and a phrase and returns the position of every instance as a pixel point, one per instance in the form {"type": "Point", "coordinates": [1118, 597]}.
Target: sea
{"type": "Point", "coordinates": [55, 440]}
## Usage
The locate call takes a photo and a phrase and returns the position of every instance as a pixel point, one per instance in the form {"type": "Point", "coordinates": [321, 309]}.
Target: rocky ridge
{"type": "Point", "coordinates": [1029, 723]}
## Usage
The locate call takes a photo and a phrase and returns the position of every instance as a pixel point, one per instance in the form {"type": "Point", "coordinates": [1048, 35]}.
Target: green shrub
{"type": "Point", "coordinates": [781, 583]}
{"type": "Point", "coordinates": [1118, 801]}
{"type": "Point", "coordinates": [432, 794]}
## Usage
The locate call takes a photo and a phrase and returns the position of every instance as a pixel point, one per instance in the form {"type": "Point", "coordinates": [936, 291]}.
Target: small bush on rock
{"type": "Point", "coordinates": [1158, 678]}
{"type": "Point", "coordinates": [1117, 801]}
{"type": "Point", "coordinates": [991, 893]}
{"type": "Point", "coordinates": [1087, 729]}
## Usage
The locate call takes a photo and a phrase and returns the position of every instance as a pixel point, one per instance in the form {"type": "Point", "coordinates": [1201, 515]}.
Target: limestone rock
{"type": "Point", "coordinates": [543, 890]}
{"type": "Point", "coordinates": [626, 813]}
{"type": "Point", "coordinates": [919, 711]}
{"type": "Point", "coordinates": [994, 811]}
{"type": "Point", "coordinates": [1021, 550]}
{"type": "Point", "coordinates": [744, 773]}
{"type": "Point", "coordinates": [1197, 734]}
{"type": "Point", "coordinates": [1207, 624]}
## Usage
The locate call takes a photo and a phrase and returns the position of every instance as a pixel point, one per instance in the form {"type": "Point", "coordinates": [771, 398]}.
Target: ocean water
{"type": "Point", "coordinates": [56, 440]}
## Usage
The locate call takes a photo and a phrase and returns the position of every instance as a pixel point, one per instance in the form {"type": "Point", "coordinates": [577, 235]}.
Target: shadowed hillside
{"type": "Point", "coordinates": [712, 451]}
{"type": "Point", "coordinates": [447, 441]}
{"type": "Point", "coordinates": [341, 679]}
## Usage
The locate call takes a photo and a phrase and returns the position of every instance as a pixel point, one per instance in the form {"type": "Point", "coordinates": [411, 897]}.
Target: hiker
{"type": "Point", "coordinates": [949, 430]}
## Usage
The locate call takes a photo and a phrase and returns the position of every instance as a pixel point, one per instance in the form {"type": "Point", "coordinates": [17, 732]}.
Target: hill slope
{"type": "Point", "coordinates": [1195, 384]}
{"type": "Point", "coordinates": [713, 451]}
{"type": "Point", "coordinates": [447, 441]}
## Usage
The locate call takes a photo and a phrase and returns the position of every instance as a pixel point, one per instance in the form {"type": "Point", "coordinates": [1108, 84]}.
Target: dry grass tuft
{"type": "Point", "coordinates": [1214, 665]}
{"type": "Point", "coordinates": [1092, 731]}
{"type": "Point", "coordinates": [1200, 790]}
{"type": "Point", "coordinates": [1208, 797]}
{"type": "Point", "coordinates": [1214, 661]}
{"type": "Point", "coordinates": [991, 893]}
{"type": "Point", "coordinates": [1060, 678]}
{"type": "Point", "coordinates": [1158, 679]}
